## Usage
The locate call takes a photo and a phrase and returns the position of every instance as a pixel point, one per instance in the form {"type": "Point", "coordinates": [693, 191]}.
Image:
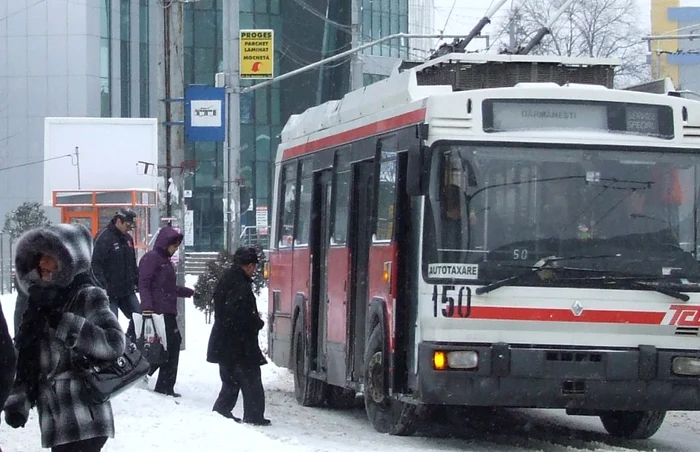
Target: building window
{"type": "Point", "coordinates": [125, 56]}
{"type": "Point", "coordinates": [144, 60]}
{"type": "Point", "coordinates": [105, 58]}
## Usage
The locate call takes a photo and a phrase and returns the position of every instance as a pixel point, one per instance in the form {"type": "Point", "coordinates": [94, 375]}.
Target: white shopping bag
{"type": "Point", "coordinates": [149, 332]}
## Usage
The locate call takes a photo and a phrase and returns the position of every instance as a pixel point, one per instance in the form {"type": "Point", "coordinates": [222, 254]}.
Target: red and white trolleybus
{"type": "Point", "coordinates": [491, 230]}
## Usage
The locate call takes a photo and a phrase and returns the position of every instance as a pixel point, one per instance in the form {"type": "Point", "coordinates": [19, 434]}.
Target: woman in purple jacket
{"type": "Point", "coordinates": [159, 292]}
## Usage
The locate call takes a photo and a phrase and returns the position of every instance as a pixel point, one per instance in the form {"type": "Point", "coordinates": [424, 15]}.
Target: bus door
{"type": "Point", "coordinates": [320, 242]}
{"type": "Point", "coordinates": [360, 239]}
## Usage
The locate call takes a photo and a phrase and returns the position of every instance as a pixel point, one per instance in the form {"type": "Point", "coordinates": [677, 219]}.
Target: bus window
{"type": "Point", "coordinates": [286, 222]}
{"type": "Point", "coordinates": [387, 189]}
{"type": "Point", "coordinates": [341, 195]}
{"type": "Point", "coordinates": [301, 237]}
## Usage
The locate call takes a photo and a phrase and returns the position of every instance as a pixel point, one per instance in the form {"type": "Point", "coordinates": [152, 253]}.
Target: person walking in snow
{"type": "Point", "coordinates": [233, 343]}
{"type": "Point", "coordinates": [159, 292]}
{"type": "Point", "coordinates": [7, 359]}
{"type": "Point", "coordinates": [114, 265]}
{"type": "Point", "coordinates": [67, 316]}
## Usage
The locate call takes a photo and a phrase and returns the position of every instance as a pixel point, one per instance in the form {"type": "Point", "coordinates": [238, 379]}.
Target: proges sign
{"type": "Point", "coordinates": [257, 53]}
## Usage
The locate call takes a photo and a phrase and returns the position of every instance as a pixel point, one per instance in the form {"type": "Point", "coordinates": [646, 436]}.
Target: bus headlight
{"type": "Point", "coordinates": [463, 360]}
{"type": "Point", "coordinates": [686, 366]}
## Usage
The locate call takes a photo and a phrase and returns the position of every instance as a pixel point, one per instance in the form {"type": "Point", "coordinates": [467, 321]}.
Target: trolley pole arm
{"type": "Point", "coordinates": [544, 31]}
{"type": "Point", "coordinates": [462, 45]}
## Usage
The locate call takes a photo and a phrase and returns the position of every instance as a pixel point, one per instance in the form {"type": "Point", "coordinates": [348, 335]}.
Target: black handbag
{"type": "Point", "coordinates": [154, 352]}
{"type": "Point", "coordinates": [105, 379]}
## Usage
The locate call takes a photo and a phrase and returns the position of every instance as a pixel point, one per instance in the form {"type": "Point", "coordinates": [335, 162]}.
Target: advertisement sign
{"type": "Point", "coordinates": [261, 220]}
{"type": "Point", "coordinates": [257, 53]}
{"type": "Point", "coordinates": [189, 228]}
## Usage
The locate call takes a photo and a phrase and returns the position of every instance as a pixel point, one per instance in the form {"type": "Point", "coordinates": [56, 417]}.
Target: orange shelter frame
{"type": "Point", "coordinates": [96, 208]}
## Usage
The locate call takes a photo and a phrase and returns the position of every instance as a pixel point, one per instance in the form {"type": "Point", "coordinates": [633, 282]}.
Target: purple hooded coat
{"type": "Point", "coordinates": [157, 279]}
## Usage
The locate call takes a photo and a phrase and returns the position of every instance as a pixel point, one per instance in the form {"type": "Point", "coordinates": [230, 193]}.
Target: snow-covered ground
{"type": "Point", "coordinates": [146, 421]}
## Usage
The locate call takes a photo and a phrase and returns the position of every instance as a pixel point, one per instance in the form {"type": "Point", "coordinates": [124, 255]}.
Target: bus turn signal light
{"type": "Point", "coordinates": [386, 274]}
{"type": "Point", "coordinates": [266, 270]}
{"type": "Point", "coordinates": [439, 360]}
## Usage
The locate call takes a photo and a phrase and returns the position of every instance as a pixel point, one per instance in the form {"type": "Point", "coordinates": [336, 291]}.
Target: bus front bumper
{"type": "Point", "coordinates": [640, 379]}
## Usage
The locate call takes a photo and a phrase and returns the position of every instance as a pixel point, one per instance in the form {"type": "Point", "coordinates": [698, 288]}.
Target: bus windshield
{"type": "Point", "coordinates": [499, 209]}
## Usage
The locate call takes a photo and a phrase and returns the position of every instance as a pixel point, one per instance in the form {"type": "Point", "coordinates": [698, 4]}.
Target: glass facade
{"type": "Point", "coordinates": [105, 58]}
{"type": "Point", "coordinates": [305, 31]}
{"type": "Point", "coordinates": [125, 56]}
{"type": "Point", "coordinates": [144, 60]}
{"type": "Point", "coordinates": [382, 18]}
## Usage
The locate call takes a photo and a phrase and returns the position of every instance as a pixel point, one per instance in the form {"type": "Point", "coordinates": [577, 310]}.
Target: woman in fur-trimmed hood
{"type": "Point", "coordinates": [67, 316]}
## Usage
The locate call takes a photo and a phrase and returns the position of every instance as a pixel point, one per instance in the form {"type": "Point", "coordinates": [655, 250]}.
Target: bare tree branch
{"type": "Point", "coordinates": [591, 28]}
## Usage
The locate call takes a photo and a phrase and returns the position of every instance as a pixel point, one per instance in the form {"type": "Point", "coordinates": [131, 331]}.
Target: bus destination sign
{"type": "Point", "coordinates": [507, 115]}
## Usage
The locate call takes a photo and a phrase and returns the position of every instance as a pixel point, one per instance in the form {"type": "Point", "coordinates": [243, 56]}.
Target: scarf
{"type": "Point", "coordinates": [42, 302]}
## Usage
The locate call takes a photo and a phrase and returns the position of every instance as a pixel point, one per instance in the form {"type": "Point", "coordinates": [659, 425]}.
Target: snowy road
{"type": "Point", "coordinates": [500, 430]}
{"type": "Point", "coordinates": [146, 421]}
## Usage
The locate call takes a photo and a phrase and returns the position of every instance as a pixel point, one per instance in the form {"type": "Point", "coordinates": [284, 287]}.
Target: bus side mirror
{"type": "Point", "coordinates": [417, 172]}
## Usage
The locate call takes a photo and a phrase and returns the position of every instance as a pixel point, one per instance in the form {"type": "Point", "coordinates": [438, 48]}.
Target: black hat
{"type": "Point", "coordinates": [126, 215]}
{"type": "Point", "coordinates": [245, 255]}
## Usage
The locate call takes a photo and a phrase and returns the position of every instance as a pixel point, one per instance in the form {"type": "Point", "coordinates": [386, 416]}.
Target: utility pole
{"type": "Point", "coordinates": [77, 164]}
{"type": "Point", "coordinates": [356, 69]}
{"type": "Point", "coordinates": [513, 29]}
{"type": "Point", "coordinates": [171, 146]}
{"type": "Point", "coordinates": [232, 154]}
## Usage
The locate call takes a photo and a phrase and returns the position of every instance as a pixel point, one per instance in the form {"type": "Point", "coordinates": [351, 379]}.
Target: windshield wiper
{"type": "Point", "coordinates": [543, 264]}
{"type": "Point", "coordinates": [633, 281]}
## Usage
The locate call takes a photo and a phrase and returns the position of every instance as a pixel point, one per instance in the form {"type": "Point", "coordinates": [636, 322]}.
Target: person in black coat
{"type": "Point", "coordinates": [7, 360]}
{"type": "Point", "coordinates": [114, 265]}
{"type": "Point", "coordinates": [233, 343]}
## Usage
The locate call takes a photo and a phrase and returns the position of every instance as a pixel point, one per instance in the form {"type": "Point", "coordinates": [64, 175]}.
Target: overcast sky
{"type": "Point", "coordinates": [466, 13]}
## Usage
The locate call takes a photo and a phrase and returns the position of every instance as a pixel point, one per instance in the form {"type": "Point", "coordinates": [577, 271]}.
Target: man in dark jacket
{"type": "Point", "coordinates": [114, 265]}
{"type": "Point", "coordinates": [233, 343]}
{"type": "Point", "coordinates": [7, 360]}
{"type": "Point", "coordinates": [159, 292]}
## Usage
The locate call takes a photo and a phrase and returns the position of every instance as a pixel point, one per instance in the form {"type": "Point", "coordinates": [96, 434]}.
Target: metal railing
{"type": "Point", "coordinates": [251, 237]}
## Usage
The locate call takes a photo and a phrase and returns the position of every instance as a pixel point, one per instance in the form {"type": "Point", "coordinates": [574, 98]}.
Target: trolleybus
{"type": "Point", "coordinates": [491, 230]}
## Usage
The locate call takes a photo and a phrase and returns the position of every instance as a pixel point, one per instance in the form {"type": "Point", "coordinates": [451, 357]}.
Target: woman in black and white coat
{"type": "Point", "coordinates": [67, 316]}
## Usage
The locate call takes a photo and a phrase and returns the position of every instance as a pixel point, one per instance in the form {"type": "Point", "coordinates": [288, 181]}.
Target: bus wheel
{"type": "Point", "coordinates": [308, 391]}
{"type": "Point", "coordinates": [341, 398]}
{"type": "Point", "coordinates": [387, 415]}
{"type": "Point", "coordinates": [632, 424]}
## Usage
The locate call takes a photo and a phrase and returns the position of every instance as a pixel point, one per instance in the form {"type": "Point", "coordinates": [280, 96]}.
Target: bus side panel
{"type": "Point", "coordinates": [338, 294]}
{"type": "Point", "coordinates": [301, 280]}
{"type": "Point", "coordinates": [337, 317]}
{"type": "Point", "coordinates": [379, 254]}
{"type": "Point", "coordinates": [280, 306]}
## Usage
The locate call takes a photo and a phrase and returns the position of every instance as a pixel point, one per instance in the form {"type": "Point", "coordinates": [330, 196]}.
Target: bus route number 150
{"type": "Point", "coordinates": [450, 302]}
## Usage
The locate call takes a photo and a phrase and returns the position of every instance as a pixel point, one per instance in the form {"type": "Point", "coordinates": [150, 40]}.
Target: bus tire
{"type": "Point", "coordinates": [632, 424]}
{"type": "Point", "coordinates": [307, 390]}
{"type": "Point", "coordinates": [386, 414]}
{"type": "Point", "coordinates": [341, 398]}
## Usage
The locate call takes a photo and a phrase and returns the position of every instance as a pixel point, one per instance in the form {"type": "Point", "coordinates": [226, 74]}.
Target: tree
{"type": "Point", "coordinates": [28, 215]}
{"type": "Point", "coordinates": [214, 271]}
{"type": "Point", "coordinates": [588, 28]}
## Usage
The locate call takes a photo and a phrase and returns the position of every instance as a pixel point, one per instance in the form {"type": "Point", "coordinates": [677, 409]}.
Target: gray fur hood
{"type": "Point", "coordinates": [69, 244]}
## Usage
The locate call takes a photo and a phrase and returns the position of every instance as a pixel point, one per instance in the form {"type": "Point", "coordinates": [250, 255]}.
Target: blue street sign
{"type": "Point", "coordinates": [205, 113]}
